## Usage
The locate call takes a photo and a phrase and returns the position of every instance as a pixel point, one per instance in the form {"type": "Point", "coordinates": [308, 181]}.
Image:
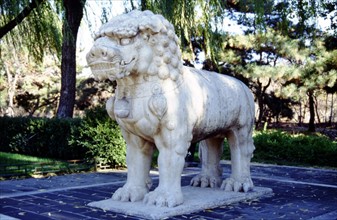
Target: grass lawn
{"type": "Point", "coordinates": [22, 165]}
{"type": "Point", "coordinates": [11, 158]}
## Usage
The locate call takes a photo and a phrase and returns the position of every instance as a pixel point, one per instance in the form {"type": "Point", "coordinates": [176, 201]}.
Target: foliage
{"type": "Point", "coordinates": [299, 148]}
{"type": "Point", "coordinates": [30, 87]}
{"type": "Point", "coordinates": [279, 55]}
{"type": "Point", "coordinates": [94, 136]}
{"type": "Point", "coordinates": [274, 146]}
{"type": "Point", "coordinates": [40, 137]}
{"type": "Point", "coordinates": [39, 32]}
{"type": "Point", "coordinates": [101, 137]}
{"type": "Point", "coordinates": [189, 24]}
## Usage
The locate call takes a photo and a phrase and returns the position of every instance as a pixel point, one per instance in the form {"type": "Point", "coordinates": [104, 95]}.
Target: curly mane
{"type": "Point", "coordinates": [161, 37]}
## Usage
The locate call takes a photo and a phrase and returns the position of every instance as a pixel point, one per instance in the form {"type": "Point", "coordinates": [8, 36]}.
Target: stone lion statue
{"type": "Point", "coordinates": [159, 103]}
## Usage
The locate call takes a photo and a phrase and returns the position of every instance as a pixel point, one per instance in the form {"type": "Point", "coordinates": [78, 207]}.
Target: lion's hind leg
{"type": "Point", "coordinates": [241, 147]}
{"type": "Point", "coordinates": [210, 151]}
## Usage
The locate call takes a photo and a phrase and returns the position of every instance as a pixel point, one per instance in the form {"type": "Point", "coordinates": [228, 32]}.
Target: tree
{"type": "Point", "coordinates": [189, 26]}
{"type": "Point", "coordinates": [29, 30]}
{"type": "Point", "coordinates": [71, 23]}
{"type": "Point", "coordinates": [35, 26]}
{"type": "Point", "coordinates": [318, 73]}
{"type": "Point", "coordinates": [258, 55]}
{"type": "Point", "coordinates": [273, 54]}
{"type": "Point", "coordinates": [31, 25]}
{"type": "Point", "coordinates": [19, 18]}
{"type": "Point", "coordinates": [276, 56]}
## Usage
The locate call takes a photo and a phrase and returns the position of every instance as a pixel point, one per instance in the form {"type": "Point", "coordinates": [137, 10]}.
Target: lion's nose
{"type": "Point", "coordinates": [101, 53]}
{"type": "Point", "coordinates": [98, 52]}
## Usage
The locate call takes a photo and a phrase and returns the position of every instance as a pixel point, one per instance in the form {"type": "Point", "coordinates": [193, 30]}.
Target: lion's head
{"type": "Point", "coordinates": [136, 43]}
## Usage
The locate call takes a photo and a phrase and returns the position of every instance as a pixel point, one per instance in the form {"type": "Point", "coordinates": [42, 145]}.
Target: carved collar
{"type": "Point", "coordinates": [147, 88]}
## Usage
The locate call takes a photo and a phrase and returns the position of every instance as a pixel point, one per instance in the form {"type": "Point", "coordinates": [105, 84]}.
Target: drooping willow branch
{"type": "Point", "coordinates": [20, 17]}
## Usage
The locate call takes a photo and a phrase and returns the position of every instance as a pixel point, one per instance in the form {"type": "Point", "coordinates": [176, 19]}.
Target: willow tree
{"type": "Point", "coordinates": [192, 21]}
{"type": "Point", "coordinates": [31, 26]}
{"type": "Point", "coordinates": [35, 25]}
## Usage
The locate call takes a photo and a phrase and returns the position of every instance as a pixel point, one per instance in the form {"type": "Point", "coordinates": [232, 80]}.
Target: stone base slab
{"type": "Point", "coordinates": [195, 199]}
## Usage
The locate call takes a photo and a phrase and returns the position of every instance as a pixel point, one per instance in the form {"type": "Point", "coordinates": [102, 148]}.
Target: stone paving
{"type": "Point", "coordinates": [299, 193]}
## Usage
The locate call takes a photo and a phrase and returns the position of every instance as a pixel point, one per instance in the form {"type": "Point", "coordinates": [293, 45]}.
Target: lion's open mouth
{"type": "Point", "coordinates": [111, 70]}
{"type": "Point", "coordinates": [99, 67]}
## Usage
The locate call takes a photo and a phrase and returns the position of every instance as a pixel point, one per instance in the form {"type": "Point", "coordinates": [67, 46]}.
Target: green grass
{"type": "Point", "coordinates": [22, 165]}
{"type": "Point", "coordinates": [11, 158]}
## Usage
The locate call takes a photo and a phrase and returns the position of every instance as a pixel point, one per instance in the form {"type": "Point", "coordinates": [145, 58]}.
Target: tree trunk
{"type": "Point", "coordinates": [261, 111]}
{"type": "Point", "coordinates": [316, 109]}
{"type": "Point", "coordinates": [260, 96]}
{"type": "Point", "coordinates": [11, 89]}
{"type": "Point", "coordinates": [143, 5]}
{"type": "Point", "coordinates": [312, 111]}
{"type": "Point", "coordinates": [71, 23]}
{"type": "Point", "coordinates": [300, 115]}
{"type": "Point", "coordinates": [331, 110]}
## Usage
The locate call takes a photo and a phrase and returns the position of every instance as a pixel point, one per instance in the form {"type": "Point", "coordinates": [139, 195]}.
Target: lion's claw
{"type": "Point", "coordinates": [162, 198]}
{"type": "Point", "coordinates": [132, 194]}
{"type": "Point", "coordinates": [205, 181]}
{"type": "Point", "coordinates": [231, 184]}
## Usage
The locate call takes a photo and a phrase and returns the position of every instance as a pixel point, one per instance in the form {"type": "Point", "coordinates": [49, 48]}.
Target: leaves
{"type": "Point", "coordinates": [39, 33]}
{"type": "Point", "coordinates": [101, 137]}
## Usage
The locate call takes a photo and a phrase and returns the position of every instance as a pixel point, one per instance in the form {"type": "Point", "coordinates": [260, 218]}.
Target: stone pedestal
{"type": "Point", "coordinates": [195, 199]}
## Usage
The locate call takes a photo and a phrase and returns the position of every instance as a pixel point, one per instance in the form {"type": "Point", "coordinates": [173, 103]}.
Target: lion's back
{"type": "Point", "coordinates": [218, 101]}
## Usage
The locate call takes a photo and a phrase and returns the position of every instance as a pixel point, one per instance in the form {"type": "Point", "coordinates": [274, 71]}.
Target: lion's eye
{"type": "Point", "coordinates": [126, 41]}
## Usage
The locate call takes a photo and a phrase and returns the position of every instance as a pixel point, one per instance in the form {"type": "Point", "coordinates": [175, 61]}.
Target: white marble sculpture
{"type": "Point", "coordinates": [161, 103]}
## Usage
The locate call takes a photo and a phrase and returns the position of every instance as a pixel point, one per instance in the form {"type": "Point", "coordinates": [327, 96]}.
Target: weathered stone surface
{"type": "Point", "coordinates": [160, 103]}
{"type": "Point", "coordinates": [195, 199]}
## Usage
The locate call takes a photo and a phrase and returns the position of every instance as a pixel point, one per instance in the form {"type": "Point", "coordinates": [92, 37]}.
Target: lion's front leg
{"type": "Point", "coordinates": [171, 162]}
{"type": "Point", "coordinates": [139, 155]}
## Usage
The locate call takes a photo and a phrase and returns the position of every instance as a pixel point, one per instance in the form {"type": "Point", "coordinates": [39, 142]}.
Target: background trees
{"type": "Point", "coordinates": [29, 33]}
{"type": "Point", "coordinates": [278, 48]}
{"type": "Point", "coordinates": [36, 23]}
{"type": "Point", "coordinates": [282, 54]}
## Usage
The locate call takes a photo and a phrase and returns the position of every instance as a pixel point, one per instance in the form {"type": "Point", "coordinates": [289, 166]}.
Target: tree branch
{"type": "Point", "coordinates": [19, 18]}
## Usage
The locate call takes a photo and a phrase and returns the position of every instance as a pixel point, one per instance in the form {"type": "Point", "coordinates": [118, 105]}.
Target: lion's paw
{"type": "Point", "coordinates": [231, 184]}
{"type": "Point", "coordinates": [127, 193]}
{"type": "Point", "coordinates": [203, 181]}
{"type": "Point", "coordinates": [163, 198]}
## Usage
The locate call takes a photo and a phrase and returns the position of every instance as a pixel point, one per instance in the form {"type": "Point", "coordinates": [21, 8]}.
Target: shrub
{"type": "Point", "coordinates": [284, 148]}
{"type": "Point", "coordinates": [97, 136]}
{"type": "Point", "coordinates": [101, 137]}
{"type": "Point", "coordinates": [40, 137]}
{"type": "Point", "coordinates": [273, 146]}
{"type": "Point", "coordinates": [94, 136]}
